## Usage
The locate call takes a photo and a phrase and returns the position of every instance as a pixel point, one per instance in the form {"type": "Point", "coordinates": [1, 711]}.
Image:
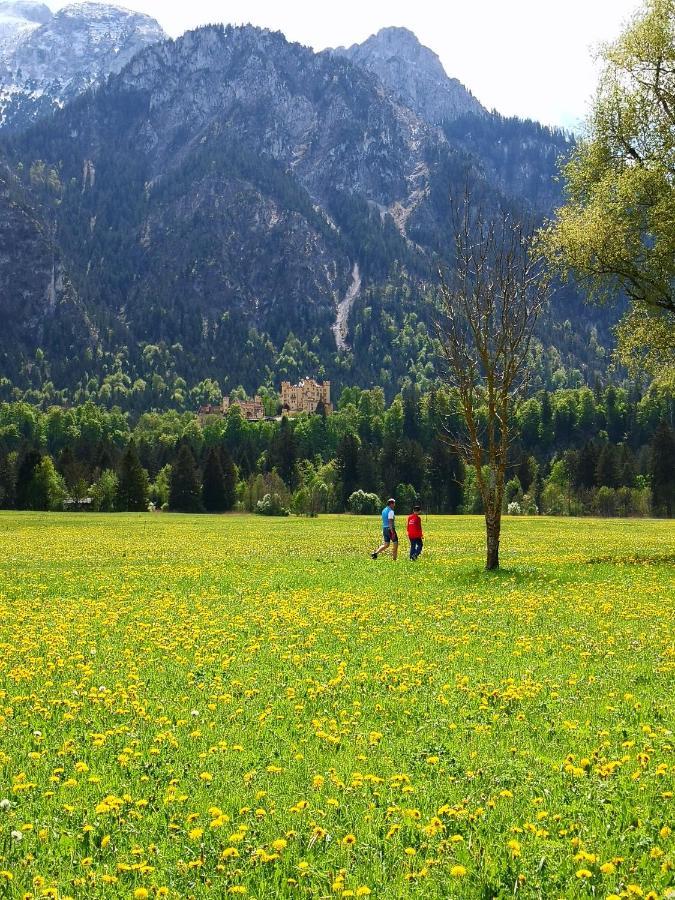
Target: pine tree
{"type": "Point", "coordinates": [526, 472]}
{"type": "Point", "coordinates": [213, 484]}
{"type": "Point", "coordinates": [546, 426]}
{"type": "Point", "coordinates": [132, 491]}
{"type": "Point", "coordinates": [662, 470]}
{"type": "Point", "coordinates": [25, 481]}
{"type": "Point", "coordinates": [283, 454]}
{"type": "Point", "coordinates": [607, 470]}
{"type": "Point", "coordinates": [586, 466]}
{"type": "Point", "coordinates": [184, 490]}
{"type": "Point", "coordinates": [229, 478]}
{"type": "Point", "coordinates": [627, 466]}
{"type": "Point", "coordinates": [347, 464]}
{"type": "Point", "coordinates": [7, 485]}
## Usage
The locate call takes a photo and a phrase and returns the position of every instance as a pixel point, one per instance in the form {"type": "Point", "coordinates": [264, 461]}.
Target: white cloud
{"type": "Point", "coordinates": [531, 58]}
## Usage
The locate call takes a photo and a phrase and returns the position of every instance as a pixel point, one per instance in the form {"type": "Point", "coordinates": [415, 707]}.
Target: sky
{"type": "Point", "coordinates": [530, 58]}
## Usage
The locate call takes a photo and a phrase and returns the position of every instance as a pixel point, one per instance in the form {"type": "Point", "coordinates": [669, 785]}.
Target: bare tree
{"type": "Point", "coordinates": [490, 303]}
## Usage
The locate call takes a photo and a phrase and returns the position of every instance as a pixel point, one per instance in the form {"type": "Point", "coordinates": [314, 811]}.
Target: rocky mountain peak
{"type": "Point", "coordinates": [414, 74]}
{"type": "Point", "coordinates": [48, 58]}
{"type": "Point", "coordinates": [20, 17]}
{"type": "Point", "coordinates": [28, 10]}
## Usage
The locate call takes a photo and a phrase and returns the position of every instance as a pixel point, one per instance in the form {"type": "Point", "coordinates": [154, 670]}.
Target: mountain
{"type": "Point", "coordinates": [19, 18]}
{"type": "Point", "coordinates": [47, 59]}
{"type": "Point", "coordinates": [236, 207]}
{"type": "Point", "coordinates": [414, 74]}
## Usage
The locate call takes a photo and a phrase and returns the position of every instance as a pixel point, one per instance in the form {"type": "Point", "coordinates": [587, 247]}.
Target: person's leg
{"type": "Point", "coordinates": [412, 548]}
{"type": "Point", "coordinates": [420, 547]}
{"type": "Point", "coordinates": [381, 549]}
{"type": "Point", "coordinates": [394, 549]}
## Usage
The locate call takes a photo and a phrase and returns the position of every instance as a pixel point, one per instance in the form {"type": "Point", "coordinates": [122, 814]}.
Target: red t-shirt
{"type": "Point", "coordinates": [414, 526]}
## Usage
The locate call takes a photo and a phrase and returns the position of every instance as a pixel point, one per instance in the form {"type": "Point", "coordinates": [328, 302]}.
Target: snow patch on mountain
{"type": "Point", "coordinates": [48, 58]}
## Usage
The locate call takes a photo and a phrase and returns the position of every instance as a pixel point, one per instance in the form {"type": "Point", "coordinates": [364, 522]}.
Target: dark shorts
{"type": "Point", "coordinates": [389, 535]}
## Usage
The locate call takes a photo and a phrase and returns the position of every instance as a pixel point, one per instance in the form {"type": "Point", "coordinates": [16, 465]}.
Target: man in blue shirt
{"type": "Point", "coordinates": [389, 536]}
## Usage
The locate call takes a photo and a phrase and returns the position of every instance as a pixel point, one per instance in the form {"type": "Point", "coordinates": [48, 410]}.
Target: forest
{"type": "Point", "coordinates": [578, 451]}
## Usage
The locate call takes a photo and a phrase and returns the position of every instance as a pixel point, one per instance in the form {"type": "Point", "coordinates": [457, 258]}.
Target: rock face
{"type": "Point", "coordinates": [414, 74]}
{"type": "Point", "coordinates": [38, 304]}
{"type": "Point", "coordinates": [327, 121]}
{"type": "Point", "coordinates": [47, 59]}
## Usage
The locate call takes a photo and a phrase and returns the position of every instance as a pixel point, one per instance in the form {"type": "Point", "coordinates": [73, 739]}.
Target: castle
{"type": "Point", "coordinates": [252, 410]}
{"type": "Point", "coordinates": [306, 396]}
{"type": "Point", "coordinates": [295, 398]}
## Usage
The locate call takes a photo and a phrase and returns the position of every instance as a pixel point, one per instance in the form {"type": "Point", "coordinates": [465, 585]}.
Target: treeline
{"type": "Point", "coordinates": [605, 452]}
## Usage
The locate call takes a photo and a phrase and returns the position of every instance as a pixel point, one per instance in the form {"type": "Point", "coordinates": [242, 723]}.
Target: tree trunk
{"type": "Point", "coordinates": [493, 524]}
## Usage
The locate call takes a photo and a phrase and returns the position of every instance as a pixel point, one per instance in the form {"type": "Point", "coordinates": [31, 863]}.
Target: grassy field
{"type": "Point", "coordinates": [204, 706]}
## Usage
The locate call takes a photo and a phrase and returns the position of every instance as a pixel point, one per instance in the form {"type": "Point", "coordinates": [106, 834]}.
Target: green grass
{"type": "Point", "coordinates": [213, 706]}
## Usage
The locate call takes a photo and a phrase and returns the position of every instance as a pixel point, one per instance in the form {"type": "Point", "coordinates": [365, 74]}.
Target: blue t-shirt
{"type": "Point", "coordinates": [387, 517]}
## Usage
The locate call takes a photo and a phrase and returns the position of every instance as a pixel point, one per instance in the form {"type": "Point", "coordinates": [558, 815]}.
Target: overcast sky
{"type": "Point", "coordinates": [531, 58]}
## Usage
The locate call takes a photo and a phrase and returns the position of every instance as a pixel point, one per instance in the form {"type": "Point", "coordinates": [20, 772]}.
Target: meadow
{"type": "Point", "coordinates": [238, 706]}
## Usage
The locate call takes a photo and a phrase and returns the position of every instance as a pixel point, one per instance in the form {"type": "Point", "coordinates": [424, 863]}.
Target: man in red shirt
{"type": "Point", "coordinates": [415, 532]}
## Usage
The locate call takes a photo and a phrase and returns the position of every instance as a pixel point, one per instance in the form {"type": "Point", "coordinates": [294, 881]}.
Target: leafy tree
{"type": "Point", "coordinates": [48, 486]}
{"type": "Point", "coordinates": [363, 504]}
{"type": "Point", "coordinates": [159, 489]}
{"type": "Point", "coordinates": [271, 505]}
{"type": "Point", "coordinates": [616, 231]}
{"type": "Point", "coordinates": [105, 491]}
{"type": "Point", "coordinates": [406, 495]}
{"type": "Point", "coordinates": [132, 491]}
{"type": "Point", "coordinates": [185, 485]}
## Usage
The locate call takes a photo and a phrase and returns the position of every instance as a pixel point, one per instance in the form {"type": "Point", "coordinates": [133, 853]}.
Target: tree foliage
{"type": "Point", "coordinates": [616, 231]}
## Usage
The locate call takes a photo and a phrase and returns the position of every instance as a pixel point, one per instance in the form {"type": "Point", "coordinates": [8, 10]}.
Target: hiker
{"type": "Point", "coordinates": [415, 532]}
{"type": "Point", "coordinates": [389, 536]}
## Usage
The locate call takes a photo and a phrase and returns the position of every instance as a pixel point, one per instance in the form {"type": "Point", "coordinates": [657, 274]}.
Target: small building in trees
{"type": "Point", "coordinates": [252, 410]}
